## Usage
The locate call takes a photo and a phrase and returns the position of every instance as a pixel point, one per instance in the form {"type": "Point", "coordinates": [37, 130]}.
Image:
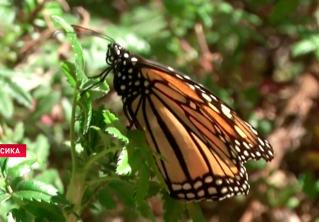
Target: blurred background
{"type": "Point", "coordinates": [259, 57]}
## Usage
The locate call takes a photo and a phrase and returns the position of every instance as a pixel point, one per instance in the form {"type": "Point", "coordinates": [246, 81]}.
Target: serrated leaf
{"type": "Point", "coordinates": [32, 196]}
{"type": "Point", "coordinates": [33, 190]}
{"type": "Point", "coordinates": [117, 134]}
{"type": "Point", "coordinates": [6, 104]}
{"type": "Point", "coordinates": [123, 167]}
{"type": "Point", "coordinates": [109, 117]}
{"type": "Point", "coordinates": [38, 186]}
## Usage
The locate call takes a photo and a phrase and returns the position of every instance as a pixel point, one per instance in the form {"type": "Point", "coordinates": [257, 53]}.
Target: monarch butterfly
{"type": "Point", "coordinates": [203, 142]}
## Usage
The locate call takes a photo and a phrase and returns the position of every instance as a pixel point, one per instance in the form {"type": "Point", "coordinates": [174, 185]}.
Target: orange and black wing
{"type": "Point", "coordinates": [202, 142]}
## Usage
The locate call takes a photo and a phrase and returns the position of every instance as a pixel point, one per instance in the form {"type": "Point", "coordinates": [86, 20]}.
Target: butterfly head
{"type": "Point", "coordinates": [114, 53]}
{"type": "Point", "coordinates": [127, 80]}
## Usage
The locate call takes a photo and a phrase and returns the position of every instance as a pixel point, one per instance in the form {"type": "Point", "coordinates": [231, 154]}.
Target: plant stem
{"type": "Point", "coordinates": [76, 186]}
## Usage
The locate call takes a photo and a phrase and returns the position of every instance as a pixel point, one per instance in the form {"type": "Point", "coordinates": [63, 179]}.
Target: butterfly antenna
{"type": "Point", "coordinates": [86, 31]}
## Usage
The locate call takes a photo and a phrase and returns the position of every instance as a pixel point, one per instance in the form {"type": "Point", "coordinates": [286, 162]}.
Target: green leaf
{"type": "Point", "coordinates": [3, 197]}
{"type": "Point", "coordinates": [142, 184]}
{"type": "Point", "coordinates": [109, 117]}
{"type": "Point", "coordinates": [14, 90]}
{"type": "Point", "coordinates": [32, 196]}
{"type": "Point", "coordinates": [282, 10]}
{"type": "Point", "coordinates": [141, 155]}
{"type": "Point", "coordinates": [117, 134]}
{"type": "Point", "coordinates": [195, 212]}
{"type": "Point", "coordinates": [51, 176]}
{"type": "Point", "coordinates": [146, 210]}
{"type": "Point", "coordinates": [307, 45]}
{"type": "Point", "coordinates": [105, 197]}
{"type": "Point", "coordinates": [38, 186]}
{"type": "Point", "coordinates": [3, 166]}
{"type": "Point", "coordinates": [69, 71]}
{"type": "Point", "coordinates": [21, 215]}
{"type": "Point", "coordinates": [60, 22]}
{"type": "Point", "coordinates": [173, 209]}
{"type": "Point", "coordinates": [42, 147]}
{"type": "Point", "coordinates": [293, 202]}
{"type": "Point", "coordinates": [86, 108]}
{"type": "Point", "coordinates": [20, 167]}
{"type": "Point", "coordinates": [18, 132]}
{"type": "Point", "coordinates": [67, 109]}
{"type": "Point", "coordinates": [124, 191]}
{"type": "Point", "coordinates": [33, 190]}
{"type": "Point", "coordinates": [310, 185]}
{"type": "Point", "coordinates": [123, 167]}
{"type": "Point", "coordinates": [76, 46]}
{"type": "Point", "coordinates": [43, 211]}
{"type": "Point", "coordinates": [6, 104]}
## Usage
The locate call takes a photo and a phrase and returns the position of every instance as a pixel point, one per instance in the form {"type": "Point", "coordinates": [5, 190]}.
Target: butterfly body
{"type": "Point", "coordinates": [202, 142]}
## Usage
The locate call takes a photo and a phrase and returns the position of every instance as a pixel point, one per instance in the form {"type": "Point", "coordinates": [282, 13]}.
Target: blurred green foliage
{"type": "Point", "coordinates": [82, 162]}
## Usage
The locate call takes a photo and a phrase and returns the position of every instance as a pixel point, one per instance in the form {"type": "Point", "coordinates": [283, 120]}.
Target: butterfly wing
{"type": "Point", "coordinates": [202, 141]}
{"type": "Point", "coordinates": [240, 136]}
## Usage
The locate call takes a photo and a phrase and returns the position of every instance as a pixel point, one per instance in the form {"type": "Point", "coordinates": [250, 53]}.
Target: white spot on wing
{"type": "Point", "coordinates": [190, 195]}
{"type": "Point", "coordinates": [206, 97]}
{"type": "Point", "coordinates": [201, 193]}
{"type": "Point", "coordinates": [218, 182]}
{"type": "Point", "coordinates": [226, 111]}
{"type": "Point", "coordinates": [176, 186]}
{"type": "Point", "coordinates": [261, 141]}
{"type": "Point", "coordinates": [224, 190]}
{"type": "Point", "coordinates": [208, 179]}
{"type": "Point", "coordinates": [198, 184]}
{"type": "Point", "coordinates": [187, 186]}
